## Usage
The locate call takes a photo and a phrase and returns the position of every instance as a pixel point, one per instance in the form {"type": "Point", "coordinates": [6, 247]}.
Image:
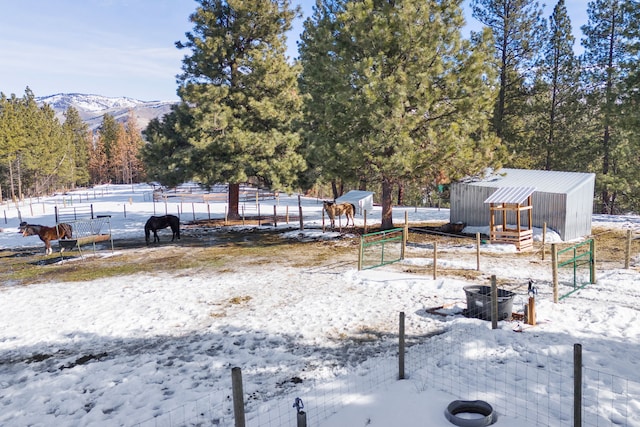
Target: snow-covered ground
{"type": "Point", "coordinates": [158, 349]}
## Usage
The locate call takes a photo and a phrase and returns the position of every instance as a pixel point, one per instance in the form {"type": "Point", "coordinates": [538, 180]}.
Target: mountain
{"type": "Point", "coordinates": [92, 108]}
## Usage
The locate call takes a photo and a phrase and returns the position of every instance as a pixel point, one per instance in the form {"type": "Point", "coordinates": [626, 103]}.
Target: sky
{"type": "Point", "coordinates": [118, 47]}
{"type": "Point", "coordinates": [157, 348]}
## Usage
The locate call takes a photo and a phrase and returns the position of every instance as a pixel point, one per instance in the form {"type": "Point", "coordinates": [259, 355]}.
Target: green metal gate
{"type": "Point", "coordinates": [381, 248]}
{"type": "Point", "coordinates": [580, 255]}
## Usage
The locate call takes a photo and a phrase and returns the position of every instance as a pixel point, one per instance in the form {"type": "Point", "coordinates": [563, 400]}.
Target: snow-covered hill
{"type": "Point", "coordinates": [92, 108]}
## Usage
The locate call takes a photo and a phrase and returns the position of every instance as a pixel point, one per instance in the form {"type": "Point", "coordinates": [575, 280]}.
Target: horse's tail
{"type": "Point", "coordinates": [147, 232]}
{"type": "Point", "coordinates": [174, 221]}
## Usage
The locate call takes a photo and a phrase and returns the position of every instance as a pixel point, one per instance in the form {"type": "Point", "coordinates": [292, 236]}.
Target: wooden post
{"type": "Point", "coordinates": [627, 251]}
{"type": "Point", "coordinates": [494, 303]}
{"type": "Point", "coordinates": [361, 253]}
{"type": "Point", "coordinates": [531, 311]}
{"type": "Point", "coordinates": [577, 385]}
{"type": "Point", "coordinates": [225, 216]}
{"type": "Point", "coordinates": [365, 221]}
{"type": "Point", "coordinates": [435, 260]}
{"type": "Point", "coordinates": [275, 216]}
{"type": "Point", "coordinates": [287, 214]}
{"type": "Point", "coordinates": [323, 225]}
{"type": "Point", "coordinates": [300, 210]}
{"type": "Point", "coordinates": [554, 271]}
{"type": "Point", "coordinates": [544, 237]}
{"type": "Point", "coordinates": [193, 210]}
{"type": "Point", "coordinates": [259, 217]}
{"type": "Point", "coordinates": [477, 251]}
{"type": "Point", "coordinates": [208, 211]}
{"type": "Point", "coordinates": [401, 347]}
{"type": "Point", "coordinates": [238, 397]}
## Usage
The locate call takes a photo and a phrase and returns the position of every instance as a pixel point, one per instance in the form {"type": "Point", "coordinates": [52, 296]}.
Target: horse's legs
{"type": "Point", "coordinates": [156, 238]}
{"type": "Point", "coordinates": [47, 246]}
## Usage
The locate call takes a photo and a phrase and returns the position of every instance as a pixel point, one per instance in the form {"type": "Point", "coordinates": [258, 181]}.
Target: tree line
{"type": "Point", "coordinates": [388, 95]}
{"type": "Point", "coordinates": [40, 155]}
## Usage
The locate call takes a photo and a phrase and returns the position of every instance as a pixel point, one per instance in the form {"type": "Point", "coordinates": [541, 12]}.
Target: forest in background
{"type": "Point", "coordinates": [39, 155]}
{"type": "Point", "coordinates": [385, 95]}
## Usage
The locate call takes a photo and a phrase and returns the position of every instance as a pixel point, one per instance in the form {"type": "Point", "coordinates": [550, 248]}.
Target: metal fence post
{"type": "Point", "coordinates": [554, 271]}
{"type": "Point", "coordinates": [577, 385]}
{"type": "Point", "coordinates": [494, 303]}
{"type": "Point", "coordinates": [592, 265]}
{"type": "Point", "coordinates": [301, 415]}
{"type": "Point", "coordinates": [401, 347]}
{"type": "Point", "coordinates": [238, 397]}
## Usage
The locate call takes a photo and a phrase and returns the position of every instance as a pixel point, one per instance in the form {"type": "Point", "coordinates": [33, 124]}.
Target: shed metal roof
{"type": "Point", "coordinates": [545, 181]}
{"type": "Point", "coordinates": [515, 195]}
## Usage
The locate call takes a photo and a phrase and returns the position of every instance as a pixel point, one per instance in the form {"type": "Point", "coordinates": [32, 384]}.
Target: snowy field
{"type": "Point", "coordinates": [158, 349]}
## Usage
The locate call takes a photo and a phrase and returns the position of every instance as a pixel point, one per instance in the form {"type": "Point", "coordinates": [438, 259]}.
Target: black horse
{"type": "Point", "coordinates": [156, 223]}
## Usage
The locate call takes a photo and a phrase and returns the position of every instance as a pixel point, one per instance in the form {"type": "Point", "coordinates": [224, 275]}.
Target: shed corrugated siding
{"type": "Point", "coordinates": [580, 210]}
{"type": "Point", "coordinates": [565, 206]}
{"type": "Point", "coordinates": [550, 208]}
{"type": "Point", "coordinates": [467, 204]}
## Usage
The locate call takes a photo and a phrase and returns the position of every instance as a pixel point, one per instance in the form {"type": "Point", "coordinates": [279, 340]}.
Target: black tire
{"type": "Point", "coordinates": [471, 407]}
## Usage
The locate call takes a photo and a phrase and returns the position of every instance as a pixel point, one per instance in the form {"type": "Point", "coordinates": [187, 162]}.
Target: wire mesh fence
{"type": "Point", "coordinates": [532, 385]}
{"type": "Point", "coordinates": [526, 385]}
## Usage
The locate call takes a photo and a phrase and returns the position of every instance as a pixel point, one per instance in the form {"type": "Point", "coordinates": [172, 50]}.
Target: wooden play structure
{"type": "Point", "coordinates": [508, 206]}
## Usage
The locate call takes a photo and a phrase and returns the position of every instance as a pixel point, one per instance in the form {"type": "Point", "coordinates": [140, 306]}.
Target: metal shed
{"type": "Point", "coordinates": [562, 200]}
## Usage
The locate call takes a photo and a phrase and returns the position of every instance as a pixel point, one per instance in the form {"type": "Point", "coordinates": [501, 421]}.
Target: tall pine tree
{"type": "Point", "coordinates": [242, 96]}
{"type": "Point", "coordinates": [396, 92]}
{"type": "Point", "coordinates": [517, 28]}
{"type": "Point", "coordinates": [558, 115]}
{"type": "Point", "coordinates": [611, 53]}
{"type": "Point", "coordinates": [79, 134]}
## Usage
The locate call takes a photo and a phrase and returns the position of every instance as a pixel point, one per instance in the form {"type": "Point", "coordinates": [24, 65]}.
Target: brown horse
{"type": "Point", "coordinates": [334, 209]}
{"type": "Point", "coordinates": [46, 234]}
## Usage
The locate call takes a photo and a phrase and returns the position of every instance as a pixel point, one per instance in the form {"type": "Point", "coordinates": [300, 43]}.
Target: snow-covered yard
{"type": "Point", "coordinates": [157, 348]}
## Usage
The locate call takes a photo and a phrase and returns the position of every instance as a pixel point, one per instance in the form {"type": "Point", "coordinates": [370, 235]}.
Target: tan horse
{"type": "Point", "coordinates": [334, 209]}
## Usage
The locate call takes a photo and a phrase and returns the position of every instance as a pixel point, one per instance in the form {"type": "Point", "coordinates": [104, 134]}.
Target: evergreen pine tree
{"type": "Point", "coordinates": [166, 156]}
{"type": "Point", "coordinates": [611, 52]}
{"type": "Point", "coordinates": [109, 134]}
{"type": "Point", "coordinates": [517, 29]}
{"type": "Point", "coordinates": [243, 97]}
{"type": "Point", "coordinates": [558, 115]}
{"type": "Point", "coordinates": [78, 132]}
{"type": "Point", "coordinates": [398, 92]}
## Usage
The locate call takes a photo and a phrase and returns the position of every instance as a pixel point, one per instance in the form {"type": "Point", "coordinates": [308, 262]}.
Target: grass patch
{"type": "Point", "coordinates": [26, 267]}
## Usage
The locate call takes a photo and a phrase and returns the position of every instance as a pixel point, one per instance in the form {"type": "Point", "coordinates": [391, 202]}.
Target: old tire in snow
{"type": "Point", "coordinates": [480, 407]}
